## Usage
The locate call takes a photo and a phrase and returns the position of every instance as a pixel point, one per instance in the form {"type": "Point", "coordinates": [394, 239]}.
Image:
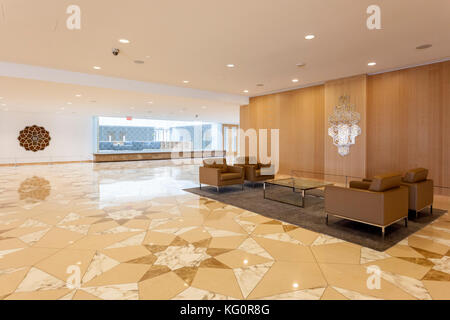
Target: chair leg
{"type": "Point", "coordinates": [200, 186]}
{"type": "Point", "coordinates": [383, 229]}
{"type": "Point", "coordinates": [326, 219]}
{"type": "Point", "coordinates": [417, 214]}
{"type": "Point", "coordinates": [406, 222]}
{"type": "Point", "coordinates": [431, 209]}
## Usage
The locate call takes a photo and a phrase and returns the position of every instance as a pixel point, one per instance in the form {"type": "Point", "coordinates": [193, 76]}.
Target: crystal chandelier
{"type": "Point", "coordinates": [344, 125]}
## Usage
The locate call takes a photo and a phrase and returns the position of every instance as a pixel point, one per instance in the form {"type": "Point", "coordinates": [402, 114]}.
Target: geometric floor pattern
{"type": "Point", "coordinates": [128, 231]}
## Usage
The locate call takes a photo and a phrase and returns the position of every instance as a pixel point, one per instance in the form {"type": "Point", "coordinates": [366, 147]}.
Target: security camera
{"type": "Point", "coordinates": [115, 51]}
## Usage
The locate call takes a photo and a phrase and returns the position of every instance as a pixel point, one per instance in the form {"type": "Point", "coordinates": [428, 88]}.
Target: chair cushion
{"type": "Point", "coordinates": [385, 182]}
{"type": "Point", "coordinates": [230, 176]}
{"type": "Point", "coordinates": [416, 175]}
{"type": "Point", "coordinates": [216, 163]}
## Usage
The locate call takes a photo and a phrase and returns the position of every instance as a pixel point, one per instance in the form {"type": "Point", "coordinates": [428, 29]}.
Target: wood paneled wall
{"type": "Point", "coordinates": [299, 117]}
{"type": "Point", "coordinates": [405, 121]}
{"type": "Point", "coordinates": [408, 121]}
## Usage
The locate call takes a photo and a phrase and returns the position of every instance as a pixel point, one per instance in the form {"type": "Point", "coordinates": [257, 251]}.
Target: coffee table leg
{"type": "Point", "coordinates": [264, 190]}
{"type": "Point", "coordinates": [303, 198]}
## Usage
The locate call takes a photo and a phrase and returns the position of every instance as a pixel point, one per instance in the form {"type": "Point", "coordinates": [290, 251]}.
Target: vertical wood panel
{"type": "Point", "coordinates": [408, 119]}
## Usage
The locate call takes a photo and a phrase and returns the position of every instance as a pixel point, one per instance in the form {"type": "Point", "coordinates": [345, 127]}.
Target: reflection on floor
{"type": "Point", "coordinates": [128, 231]}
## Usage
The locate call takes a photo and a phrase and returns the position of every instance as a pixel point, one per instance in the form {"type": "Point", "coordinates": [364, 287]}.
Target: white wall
{"type": "Point", "coordinates": [72, 137]}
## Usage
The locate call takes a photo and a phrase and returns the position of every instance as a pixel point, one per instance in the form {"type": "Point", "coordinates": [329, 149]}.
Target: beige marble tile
{"type": "Point", "coordinates": [332, 294]}
{"type": "Point", "coordinates": [10, 281]}
{"type": "Point", "coordinates": [58, 238]}
{"type": "Point", "coordinates": [337, 253]}
{"type": "Point", "coordinates": [306, 237]}
{"type": "Point", "coordinates": [403, 251]}
{"type": "Point", "coordinates": [241, 259]}
{"type": "Point", "coordinates": [25, 257]}
{"type": "Point", "coordinates": [121, 274]}
{"type": "Point", "coordinates": [125, 254]}
{"type": "Point", "coordinates": [427, 244]}
{"type": "Point", "coordinates": [227, 242]}
{"type": "Point", "coordinates": [439, 290]}
{"type": "Point", "coordinates": [284, 251]}
{"type": "Point", "coordinates": [39, 295]}
{"type": "Point", "coordinates": [221, 281]}
{"type": "Point", "coordinates": [163, 287]}
{"type": "Point", "coordinates": [288, 277]}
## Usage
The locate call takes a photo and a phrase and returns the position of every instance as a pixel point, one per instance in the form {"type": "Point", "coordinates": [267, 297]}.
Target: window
{"type": "Point", "coordinates": [120, 135]}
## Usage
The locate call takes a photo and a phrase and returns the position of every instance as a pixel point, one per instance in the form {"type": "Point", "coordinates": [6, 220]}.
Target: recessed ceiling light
{"type": "Point", "coordinates": [245, 91]}
{"type": "Point", "coordinates": [132, 108]}
{"type": "Point", "coordinates": [139, 61]}
{"type": "Point", "coordinates": [295, 285]}
{"type": "Point", "coordinates": [148, 57]}
{"type": "Point", "coordinates": [3, 104]}
{"type": "Point", "coordinates": [230, 65]}
{"type": "Point", "coordinates": [69, 102]}
{"type": "Point", "coordinates": [78, 95]}
{"type": "Point", "coordinates": [310, 37]}
{"type": "Point", "coordinates": [1, 98]}
{"type": "Point", "coordinates": [295, 80]}
{"type": "Point", "coordinates": [97, 67]}
{"type": "Point", "coordinates": [371, 64]}
{"type": "Point", "coordinates": [150, 102]}
{"type": "Point", "coordinates": [185, 81]}
{"type": "Point", "coordinates": [204, 107]}
{"type": "Point", "coordinates": [301, 64]}
{"type": "Point", "coordinates": [424, 46]}
{"type": "Point", "coordinates": [124, 41]}
{"type": "Point", "coordinates": [62, 108]}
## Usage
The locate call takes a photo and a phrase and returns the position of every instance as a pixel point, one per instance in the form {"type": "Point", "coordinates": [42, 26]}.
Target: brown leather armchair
{"type": "Point", "coordinates": [381, 203]}
{"type": "Point", "coordinates": [216, 172]}
{"type": "Point", "coordinates": [254, 171]}
{"type": "Point", "coordinates": [420, 189]}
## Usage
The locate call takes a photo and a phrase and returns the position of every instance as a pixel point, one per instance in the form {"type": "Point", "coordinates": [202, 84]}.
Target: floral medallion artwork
{"type": "Point", "coordinates": [34, 138]}
{"type": "Point", "coordinates": [344, 126]}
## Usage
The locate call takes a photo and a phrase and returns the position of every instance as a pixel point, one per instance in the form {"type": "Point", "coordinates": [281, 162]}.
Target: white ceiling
{"type": "Point", "coordinates": [195, 39]}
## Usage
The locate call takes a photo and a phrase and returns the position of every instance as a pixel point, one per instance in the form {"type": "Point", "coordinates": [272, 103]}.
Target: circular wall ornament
{"type": "Point", "coordinates": [34, 138]}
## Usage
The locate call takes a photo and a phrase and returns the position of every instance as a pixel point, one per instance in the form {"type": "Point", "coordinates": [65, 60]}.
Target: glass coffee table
{"type": "Point", "coordinates": [291, 190]}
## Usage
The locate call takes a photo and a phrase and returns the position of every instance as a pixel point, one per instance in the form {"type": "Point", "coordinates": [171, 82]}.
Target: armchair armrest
{"type": "Point", "coordinates": [209, 176]}
{"type": "Point", "coordinates": [236, 169]}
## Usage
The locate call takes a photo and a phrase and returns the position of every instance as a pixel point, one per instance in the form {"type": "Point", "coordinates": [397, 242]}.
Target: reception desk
{"type": "Point", "coordinates": [141, 156]}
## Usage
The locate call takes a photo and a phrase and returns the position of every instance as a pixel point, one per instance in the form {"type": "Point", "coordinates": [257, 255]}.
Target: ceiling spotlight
{"type": "Point", "coordinates": [295, 285]}
{"type": "Point", "coordinates": [301, 64]}
{"type": "Point", "coordinates": [150, 102]}
{"type": "Point", "coordinates": [295, 80]}
{"type": "Point", "coordinates": [78, 95]}
{"type": "Point", "coordinates": [69, 102]}
{"type": "Point", "coordinates": [204, 107]}
{"type": "Point", "coordinates": [310, 37]}
{"type": "Point", "coordinates": [185, 81]}
{"type": "Point", "coordinates": [124, 41]}
{"type": "Point", "coordinates": [97, 67]}
{"type": "Point", "coordinates": [230, 65]}
{"type": "Point", "coordinates": [424, 46]}
{"type": "Point", "coordinates": [245, 91]}
{"type": "Point", "coordinates": [371, 64]}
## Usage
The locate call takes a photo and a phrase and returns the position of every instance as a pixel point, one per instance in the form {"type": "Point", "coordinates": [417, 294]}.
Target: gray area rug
{"type": "Point", "coordinates": [312, 217]}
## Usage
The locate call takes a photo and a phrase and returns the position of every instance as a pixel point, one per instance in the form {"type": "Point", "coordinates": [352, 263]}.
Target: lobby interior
{"type": "Point", "coordinates": [237, 150]}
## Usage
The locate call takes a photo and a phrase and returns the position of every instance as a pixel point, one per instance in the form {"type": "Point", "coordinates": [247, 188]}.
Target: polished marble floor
{"type": "Point", "coordinates": [129, 231]}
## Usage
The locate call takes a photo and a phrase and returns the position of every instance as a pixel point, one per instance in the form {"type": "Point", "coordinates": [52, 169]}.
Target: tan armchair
{"type": "Point", "coordinates": [381, 203]}
{"type": "Point", "coordinates": [216, 172]}
{"type": "Point", "coordinates": [420, 190]}
{"type": "Point", "coordinates": [254, 171]}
